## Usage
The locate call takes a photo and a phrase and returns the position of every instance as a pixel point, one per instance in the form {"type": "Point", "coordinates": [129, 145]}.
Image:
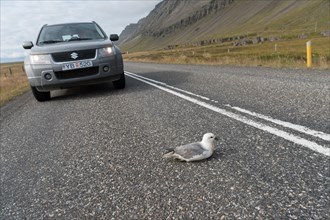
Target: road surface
{"type": "Point", "coordinates": [96, 152]}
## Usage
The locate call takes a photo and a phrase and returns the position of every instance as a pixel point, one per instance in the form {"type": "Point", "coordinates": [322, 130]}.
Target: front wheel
{"type": "Point", "coordinates": [40, 96]}
{"type": "Point", "coordinates": [120, 83]}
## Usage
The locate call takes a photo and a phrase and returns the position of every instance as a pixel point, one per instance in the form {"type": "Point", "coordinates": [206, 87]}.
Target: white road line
{"type": "Point", "coordinates": [172, 87]}
{"type": "Point", "coordinates": [299, 128]}
{"type": "Point", "coordinates": [283, 134]}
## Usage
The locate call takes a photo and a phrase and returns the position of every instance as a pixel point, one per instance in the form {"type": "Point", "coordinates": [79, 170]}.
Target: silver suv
{"type": "Point", "coordinates": [72, 54]}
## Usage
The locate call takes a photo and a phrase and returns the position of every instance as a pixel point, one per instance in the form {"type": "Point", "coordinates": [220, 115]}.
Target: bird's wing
{"type": "Point", "coordinates": [190, 150]}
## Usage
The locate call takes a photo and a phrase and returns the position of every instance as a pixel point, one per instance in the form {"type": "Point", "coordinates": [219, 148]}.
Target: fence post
{"type": "Point", "coordinates": [309, 54]}
{"type": "Point", "coordinates": [11, 73]}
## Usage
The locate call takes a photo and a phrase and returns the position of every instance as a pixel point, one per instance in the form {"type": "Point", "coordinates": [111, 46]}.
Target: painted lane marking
{"type": "Point", "coordinates": [283, 134]}
{"type": "Point", "coordinates": [172, 87]}
{"type": "Point", "coordinates": [299, 128]}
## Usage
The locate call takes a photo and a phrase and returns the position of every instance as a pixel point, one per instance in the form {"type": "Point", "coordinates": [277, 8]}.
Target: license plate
{"type": "Point", "coordinates": [77, 65]}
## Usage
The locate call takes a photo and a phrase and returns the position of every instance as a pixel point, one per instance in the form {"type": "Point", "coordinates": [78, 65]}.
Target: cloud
{"type": "Point", "coordinates": [11, 54]}
{"type": "Point", "coordinates": [22, 20]}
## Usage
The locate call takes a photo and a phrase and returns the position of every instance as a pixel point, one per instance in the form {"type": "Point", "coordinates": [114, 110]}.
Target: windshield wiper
{"type": "Point", "coordinates": [50, 42]}
{"type": "Point", "coordinates": [77, 39]}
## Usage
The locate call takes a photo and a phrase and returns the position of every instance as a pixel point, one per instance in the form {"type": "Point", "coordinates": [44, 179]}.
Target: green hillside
{"type": "Point", "coordinates": [236, 32]}
{"type": "Point", "coordinates": [283, 19]}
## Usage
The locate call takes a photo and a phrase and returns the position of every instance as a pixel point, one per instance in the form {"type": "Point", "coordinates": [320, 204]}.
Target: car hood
{"type": "Point", "coordinates": [70, 46]}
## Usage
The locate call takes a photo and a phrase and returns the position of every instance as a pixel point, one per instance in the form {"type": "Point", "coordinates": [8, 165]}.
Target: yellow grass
{"type": "Point", "coordinates": [289, 53]}
{"type": "Point", "coordinates": [12, 83]}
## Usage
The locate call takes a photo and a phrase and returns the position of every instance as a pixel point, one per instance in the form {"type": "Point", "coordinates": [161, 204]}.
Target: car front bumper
{"type": "Point", "coordinates": [51, 77]}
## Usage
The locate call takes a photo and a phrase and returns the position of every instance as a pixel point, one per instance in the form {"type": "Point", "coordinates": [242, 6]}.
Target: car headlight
{"type": "Point", "coordinates": [40, 59]}
{"type": "Point", "coordinates": [107, 51]}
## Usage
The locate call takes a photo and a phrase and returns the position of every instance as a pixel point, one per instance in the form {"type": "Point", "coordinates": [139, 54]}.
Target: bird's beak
{"type": "Point", "coordinates": [216, 138]}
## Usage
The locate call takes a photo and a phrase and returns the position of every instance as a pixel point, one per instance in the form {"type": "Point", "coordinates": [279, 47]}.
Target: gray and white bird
{"type": "Point", "coordinates": [194, 151]}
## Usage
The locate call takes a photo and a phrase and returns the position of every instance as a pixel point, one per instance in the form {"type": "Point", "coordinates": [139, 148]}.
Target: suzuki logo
{"type": "Point", "coordinates": [74, 55]}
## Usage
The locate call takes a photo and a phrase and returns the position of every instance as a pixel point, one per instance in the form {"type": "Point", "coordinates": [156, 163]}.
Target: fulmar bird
{"type": "Point", "coordinates": [194, 151]}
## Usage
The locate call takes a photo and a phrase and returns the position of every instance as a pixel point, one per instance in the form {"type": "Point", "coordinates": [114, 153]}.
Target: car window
{"type": "Point", "coordinates": [69, 32]}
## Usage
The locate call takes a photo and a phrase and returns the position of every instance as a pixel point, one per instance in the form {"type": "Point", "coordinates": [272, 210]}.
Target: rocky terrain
{"type": "Point", "coordinates": [170, 16]}
{"type": "Point", "coordinates": [176, 23]}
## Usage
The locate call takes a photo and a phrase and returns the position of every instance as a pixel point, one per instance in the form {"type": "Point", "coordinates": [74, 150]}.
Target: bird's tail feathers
{"type": "Point", "coordinates": [169, 149]}
{"type": "Point", "coordinates": [169, 153]}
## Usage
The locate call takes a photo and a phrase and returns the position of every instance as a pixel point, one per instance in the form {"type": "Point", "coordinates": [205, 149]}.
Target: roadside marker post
{"type": "Point", "coordinates": [309, 54]}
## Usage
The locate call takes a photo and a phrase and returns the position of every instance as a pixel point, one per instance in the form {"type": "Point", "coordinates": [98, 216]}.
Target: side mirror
{"type": "Point", "coordinates": [27, 44]}
{"type": "Point", "coordinates": [114, 37]}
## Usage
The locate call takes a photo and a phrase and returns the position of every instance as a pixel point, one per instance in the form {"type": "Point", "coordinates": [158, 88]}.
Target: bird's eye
{"type": "Point", "coordinates": [211, 136]}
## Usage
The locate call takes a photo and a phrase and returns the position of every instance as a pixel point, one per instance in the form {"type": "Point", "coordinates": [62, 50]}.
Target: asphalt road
{"type": "Point", "coordinates": [96, 152]}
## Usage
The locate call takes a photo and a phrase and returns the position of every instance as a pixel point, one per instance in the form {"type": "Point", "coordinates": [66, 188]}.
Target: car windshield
{"type": "Point", "coordinates": [70, 32]}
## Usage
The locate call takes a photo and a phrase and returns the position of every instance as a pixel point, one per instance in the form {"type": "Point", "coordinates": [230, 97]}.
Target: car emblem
{"type": "Point", "coordinates": [74, 55]}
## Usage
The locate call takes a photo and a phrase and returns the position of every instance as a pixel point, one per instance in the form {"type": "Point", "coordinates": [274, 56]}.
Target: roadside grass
{"type": "Point", "coordinates": [284, 53]}
{"type": "Point", "coordinates": [289, 53]}
{"type": "Point", "coordinates": [13, 81]}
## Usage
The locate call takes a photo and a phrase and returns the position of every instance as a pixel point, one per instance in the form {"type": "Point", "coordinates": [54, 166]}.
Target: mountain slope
{"type": "Point", "coordinates": [164, 15]}
{"type": "Point", "coordinates": [178, 22]}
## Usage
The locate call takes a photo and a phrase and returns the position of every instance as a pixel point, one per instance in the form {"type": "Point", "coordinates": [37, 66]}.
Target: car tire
{"type": "Point", "coordinates": [40, 96]}
{"type": "Point", "coordinates": [120, 83]}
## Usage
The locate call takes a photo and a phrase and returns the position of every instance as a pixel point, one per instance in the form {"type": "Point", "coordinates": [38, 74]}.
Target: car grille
{"type": "Point", "coordinates": [77, 73]}
{"type": "Point", "coordinates": [74, 55]}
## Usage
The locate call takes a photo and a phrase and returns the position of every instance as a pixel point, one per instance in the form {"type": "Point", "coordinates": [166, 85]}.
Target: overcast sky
{"type": "Point", "coordinates": [22, 20]}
